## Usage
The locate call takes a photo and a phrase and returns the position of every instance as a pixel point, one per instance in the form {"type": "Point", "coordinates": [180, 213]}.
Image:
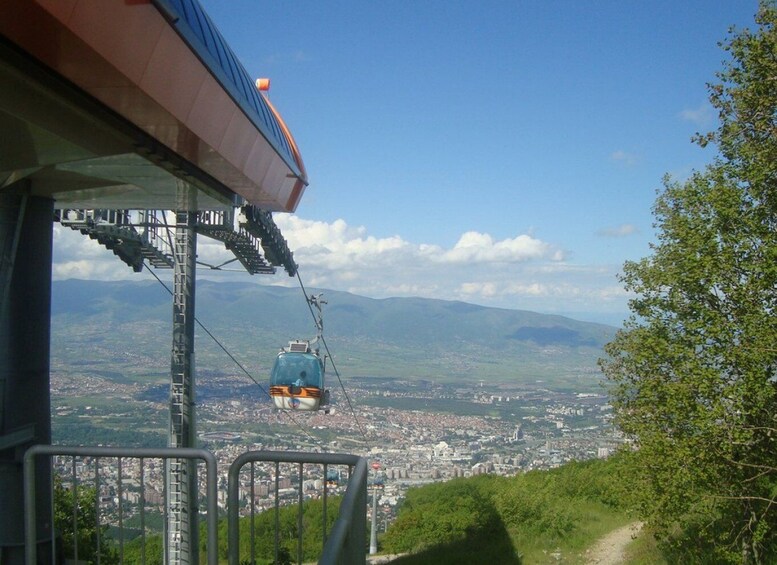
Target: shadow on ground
{"type": "Point", "coordinates": [490, 547]}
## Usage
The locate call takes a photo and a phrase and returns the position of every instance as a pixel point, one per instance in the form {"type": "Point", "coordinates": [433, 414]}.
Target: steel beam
{"type": "Point", "coordinates": [25, 407]}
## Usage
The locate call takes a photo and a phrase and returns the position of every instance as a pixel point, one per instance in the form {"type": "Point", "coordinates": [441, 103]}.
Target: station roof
{"type": "Point", "coordinates": [114, 104]}
{"type": "Point", "coordinates": [197, 29]}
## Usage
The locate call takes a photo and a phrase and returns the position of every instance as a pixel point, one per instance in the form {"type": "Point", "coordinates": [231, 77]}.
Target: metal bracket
{"type": "Point", "coordinates": [19, 436]}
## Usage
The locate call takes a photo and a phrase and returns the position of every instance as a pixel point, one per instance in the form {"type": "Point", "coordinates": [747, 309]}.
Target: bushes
{"type": "Point", "coordinates": [493, 519]}
{"type": "Point", "coordinates": [546, 507]}
{"type": "Point", "coordinates": [444, 513]}
{"type": "Point", "coordinates": [552, 504]}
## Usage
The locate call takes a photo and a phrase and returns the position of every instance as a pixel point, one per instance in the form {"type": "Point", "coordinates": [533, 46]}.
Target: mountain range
{"type": "Point", "coordinates": [402, 338]}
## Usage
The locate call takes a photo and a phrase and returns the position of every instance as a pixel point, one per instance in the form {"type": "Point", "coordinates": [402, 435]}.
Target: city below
{"type": "Point", "coordinates": [412, 432]}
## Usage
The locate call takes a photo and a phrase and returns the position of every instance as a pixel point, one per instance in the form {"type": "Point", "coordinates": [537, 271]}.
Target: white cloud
{"type": "Point", "coordinates": [78, 257]}
{"type": "Point", "coordinates": [702, 116]}
{"type": "Point", "coordinates": [337, 244]}
{"type": "Point", "coordinates": [475, 247]}
{"type": "Point", "coordinates": [623, 230]}
{"type": "Point", "coordinates": [621, 156]}
{"type": "Point", "coordinates": [547, 290]}
{"type": "Point", "coordinates": [520, 272]}
{"type": "Point", "coordinates": [479, 290]}
{"type": "Point", "coordinates": [90, 269]}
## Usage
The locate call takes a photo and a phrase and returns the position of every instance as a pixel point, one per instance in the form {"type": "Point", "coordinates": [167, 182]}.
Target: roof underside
{"type": "Point", "coordinates": [113, 104]}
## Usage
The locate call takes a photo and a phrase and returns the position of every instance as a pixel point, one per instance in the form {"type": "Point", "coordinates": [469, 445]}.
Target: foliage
{"type": "Point", "coordinates": [443, 513]}
{"type": "Point", "coordinates": [693, 372]}
{"type": "Point", "coordinates": [86, 527]}
{"type": "Point", "coordinates": [264, 532]}
{"type": "Point", "coordinates": [565, 508]}
{"type": "Point", "coordinates": [152, 554]}
{"type": "Point", "coordinates": [644, 550]}
{"type": "Point", "coordinates": [488, 519]}
{"type": "Point", "coordinates": [86, 433]}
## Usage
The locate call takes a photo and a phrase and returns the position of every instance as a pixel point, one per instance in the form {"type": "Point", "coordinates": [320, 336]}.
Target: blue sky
{"type": "Point", "coordinates": [501, 153]}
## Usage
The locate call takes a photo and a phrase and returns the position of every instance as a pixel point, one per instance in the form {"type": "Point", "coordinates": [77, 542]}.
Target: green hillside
{"type": "Point", "coordinates": [407, 337]}
{"type": "Point", "coordinates": [539, 517]}
{"type": "Point", "coordinates": [553, 516]}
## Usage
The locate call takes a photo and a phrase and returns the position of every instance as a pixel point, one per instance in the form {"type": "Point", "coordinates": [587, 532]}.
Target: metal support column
{"type": "Point", "coordinates": [182, 542]}
{"type": "Point", "coordinates": [374, 523]}
{"type": "Point", "coordinates": [25, 327]}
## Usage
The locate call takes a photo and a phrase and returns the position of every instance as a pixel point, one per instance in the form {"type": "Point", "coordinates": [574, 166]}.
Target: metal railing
{"type": "Point", "coordinates": [120, 454]}
{"type": "Point", "coordinates": [131, 473]}
{"type": "Point", "coordinates": [347, 540]}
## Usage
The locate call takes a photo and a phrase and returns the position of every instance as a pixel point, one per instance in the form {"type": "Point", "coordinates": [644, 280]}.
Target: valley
{"type": "Point", "coordinates": [424, 410]}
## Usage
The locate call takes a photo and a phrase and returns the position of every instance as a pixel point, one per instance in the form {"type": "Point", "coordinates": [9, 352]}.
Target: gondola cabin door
{"type": "Point", "coordinates": [297, 378]}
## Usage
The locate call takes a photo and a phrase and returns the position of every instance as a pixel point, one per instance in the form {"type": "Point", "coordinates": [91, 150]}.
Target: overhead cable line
{"type": "Point", "coordinates": [242, 368]}
{"type": "Point", "coordinates": [331, 359]}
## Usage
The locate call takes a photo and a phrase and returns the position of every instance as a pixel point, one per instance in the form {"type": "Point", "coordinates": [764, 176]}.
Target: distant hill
{"type": "Point", "coordinates": [395, 337]}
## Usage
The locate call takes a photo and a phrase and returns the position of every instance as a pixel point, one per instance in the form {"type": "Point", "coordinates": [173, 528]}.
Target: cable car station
{"type": "Point", "coordinates": [127, 121]}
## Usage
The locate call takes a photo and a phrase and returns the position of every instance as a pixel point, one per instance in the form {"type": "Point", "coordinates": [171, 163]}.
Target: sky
{"type": "Point", "coordinates": [503, 153]}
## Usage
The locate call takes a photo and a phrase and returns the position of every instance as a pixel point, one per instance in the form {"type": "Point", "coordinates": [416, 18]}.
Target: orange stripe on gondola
{"type": "Point", "coordinates": [304, 392]}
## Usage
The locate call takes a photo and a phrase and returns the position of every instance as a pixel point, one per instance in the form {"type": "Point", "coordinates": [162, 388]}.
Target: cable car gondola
{"type": "Point", "coordinates": [297, 377]}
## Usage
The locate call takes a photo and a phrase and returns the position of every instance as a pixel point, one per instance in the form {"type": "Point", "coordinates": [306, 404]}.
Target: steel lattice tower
{"type": "Point", "coordinates": [182, 526]}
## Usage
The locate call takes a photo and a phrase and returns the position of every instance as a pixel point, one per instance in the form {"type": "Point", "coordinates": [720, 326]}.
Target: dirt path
{"type": "Point", "coordinates": [609, 549]}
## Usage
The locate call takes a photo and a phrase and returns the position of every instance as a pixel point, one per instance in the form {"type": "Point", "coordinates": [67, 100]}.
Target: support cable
{"type": "Point", "coordinates": [331, 360]}
{"type": "Point", "coordinates": [7, 261]}
{"type": "Point", "coordinates": [238, 363]}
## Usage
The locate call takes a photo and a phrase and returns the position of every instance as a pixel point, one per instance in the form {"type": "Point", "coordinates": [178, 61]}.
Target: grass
{"type": "Point", "coordinates": [535, 518]}
{"type": "Point", "coordinates": [595, 521]}
{"type": "Point", "coordinates": [474, 550]}
{"type": "Point", "coordinates": [644, 551]}
{"type": "Point", "coordinates": [517, 548]}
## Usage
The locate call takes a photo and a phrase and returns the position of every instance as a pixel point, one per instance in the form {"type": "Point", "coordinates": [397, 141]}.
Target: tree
{"type": "Point", "coordinates": [87, 529]}
{"type": "Point", "coordinates": [693, 372]}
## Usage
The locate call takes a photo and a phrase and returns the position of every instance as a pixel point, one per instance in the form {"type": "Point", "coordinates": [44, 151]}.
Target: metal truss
{"type": "Point", "coordinates": [138, 236]}
{"type": "Point", "coordinates": [244, 245]}
{"type": "Point", "coordinates": [260, 224]}
{"type": "Point", "coordinates": [133, 236]}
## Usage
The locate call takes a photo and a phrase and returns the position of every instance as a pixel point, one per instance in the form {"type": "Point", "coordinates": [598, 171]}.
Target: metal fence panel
{"type": "Point", "coordinates": [346, 541]}
{"type": "Point", "coordinates": [119, 453]}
